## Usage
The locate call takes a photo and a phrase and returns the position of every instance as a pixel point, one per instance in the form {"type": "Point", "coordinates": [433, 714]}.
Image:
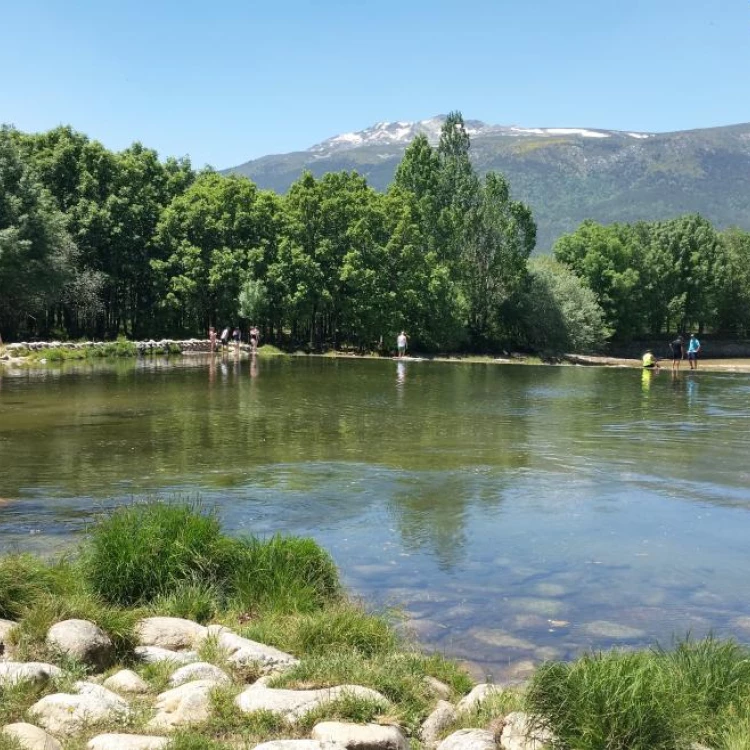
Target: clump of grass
{"type": "Point", "coordinates": [226, 722]}
{"type": "Point", "coordinates": [194, 740]}
{"type": "Point", "coordinates": [347, 707]}
{"type": "Point", "coordinates": [340, 626]}
{"type": "Point", "coordinates": [192, 600]}
{"type": "Point", "coordinates": [9, 743]}
{"type": "Point", "coordinates": [657, 699]}
{"type": "Point", "coordinates": [484, 714]}
{"type": "Point", "coordinates": [24, 579]}
{"type": "Point", "coordinates": [269, 350]}
{"type": "Point", "coordinates": [16, 698]}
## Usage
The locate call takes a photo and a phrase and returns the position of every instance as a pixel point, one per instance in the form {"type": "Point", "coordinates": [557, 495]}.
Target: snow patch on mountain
{"type": "Point", "coordinates": [401, 133]}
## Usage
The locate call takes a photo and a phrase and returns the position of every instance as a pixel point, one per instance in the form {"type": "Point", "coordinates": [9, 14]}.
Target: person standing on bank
{"type": "Point", "coordinates": [212, 338]}
{"type": "Point", "coordinates": [677, 352]}
{"type": "Point", "coordinates": [694, 346]}
{"type": "Point", "coordinates": [401, 342]}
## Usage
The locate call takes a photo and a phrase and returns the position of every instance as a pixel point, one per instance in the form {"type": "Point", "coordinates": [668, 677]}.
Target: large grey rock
{"type": "Point", "coordinates": [126, 742]}
{"type": "Point", "coordinates": [440, 689]}
{"type": "Point", "coordinates": [299, 745]}
{"type": "Point", "coordinates": [126, 681]}
{"type": "Point", "coordinates": [199, 670]}
{"type": "Point", "coordinates": [35, 671]}
{"type": "Point", "coordinates": [519, 734]}
{"type": "Point", "coordinates": [244, 652]}
{"type": "Point", "coordinates": [65, 713]}
{"type": "Point", "coordinates": [295, 704]}
{"type": "Point", "coordinates": [434, 725]}
{"type": "Point", "coordinates": [360, 736]}
{"type": "Point", "coordinates": [83, 640]}
{"type": "Point", "coordinates": [154, 654]}
{"type": "Point", "coordinates": [479, 694]}
{"type": "Point", "coordinates": [184, 705]}
{"type": "Point", "coordinates": [469, 739]}
{"type": "Point", "coordinates": [172, 633]}
{"type": "Point", "coordinates": [5, 627]}
{"type": "Point", "coordinates": [31, 737]}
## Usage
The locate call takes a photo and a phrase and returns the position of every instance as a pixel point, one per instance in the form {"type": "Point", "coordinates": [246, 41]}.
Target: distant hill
{"type": "Point", "coordinates": [565, 174]}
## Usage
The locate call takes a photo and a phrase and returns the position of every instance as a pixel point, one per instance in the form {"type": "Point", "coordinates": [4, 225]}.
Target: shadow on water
{"type": "Point", "coordinates": [516, 513]}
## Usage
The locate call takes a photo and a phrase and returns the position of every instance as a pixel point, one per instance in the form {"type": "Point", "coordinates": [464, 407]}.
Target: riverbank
{"type": "Point", "coordinates": [163, 632]}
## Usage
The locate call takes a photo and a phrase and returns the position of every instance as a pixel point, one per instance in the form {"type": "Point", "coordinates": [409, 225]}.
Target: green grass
{"type": "Point", "coordinates": [24, 579]}
{"type": "Point", "coordinates": [269, 350]}
{"type": "Point", "coordinates": [488, 711]}
{"type": "Point", "coordinates": [656, 700]}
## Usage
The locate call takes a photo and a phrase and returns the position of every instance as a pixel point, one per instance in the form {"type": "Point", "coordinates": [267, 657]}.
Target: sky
{"type": "Point", "coordinates": [231, 80]}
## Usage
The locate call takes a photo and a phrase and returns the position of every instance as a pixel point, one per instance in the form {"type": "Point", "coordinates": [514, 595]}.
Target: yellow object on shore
{"type": "Point", "coordinates": [649, 360]}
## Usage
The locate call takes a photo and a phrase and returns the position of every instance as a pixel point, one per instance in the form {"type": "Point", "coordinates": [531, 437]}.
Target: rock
{"type": "Point", "coordinates": [172, 633]}
{"type": "Point", "coordinates": [469, 739]}
{"type": "Point", "coordinates": [153, 654]}
{"type": "Point", "coordinates": [244, 652]}
{"type": "Point", "coordinates": [441, 717]}
{"type": "Point", "coordinates": [199, 670]}
{"type": "Point", "coordinates": [360, 736]}
{"type": "Point", "coordinates": [299, 745]}
{"type": "Point", "coordinates": [126, 681]}
{"type": "Point", "coordinates": [64, 713]}
{"type": "Point", "coordinates": [36, 671]}
{"type": "Point", "coordinates": [184, 705]}
{"type": "Point", "coordinates": [517, 734]}
{"type": "Point", "coordinates": [608, 629]}
{"type": "Point", "coordinates": [83, 640]}
{"type": "Point", "coordinates": [126, 742]}
{"type": "Point", "coordinates": [5, 627]}
{"type": "Point", "coordinates": [295, 704]}
{"type": "Point", "coordinates": [476, 696]}
{"type": "Point", "coordinates": [440, 689]}
{"type": "Point", "coordinates": [31, 737]}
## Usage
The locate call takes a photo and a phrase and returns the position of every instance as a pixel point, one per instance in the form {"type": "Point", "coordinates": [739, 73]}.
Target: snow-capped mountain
{"type": "Point", "coordinates": [401, 133]}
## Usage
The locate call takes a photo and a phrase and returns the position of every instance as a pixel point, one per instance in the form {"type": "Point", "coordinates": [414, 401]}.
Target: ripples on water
{"type": "Point", "coordinates": [516, 514]}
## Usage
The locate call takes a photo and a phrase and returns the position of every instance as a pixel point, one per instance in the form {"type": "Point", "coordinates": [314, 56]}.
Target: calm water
{"type": "Point", "coordinates": [515, 513]}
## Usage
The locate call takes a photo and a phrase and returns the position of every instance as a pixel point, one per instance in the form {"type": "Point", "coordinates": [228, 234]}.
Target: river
{"type": "Point", "coordinates": [513, 513]}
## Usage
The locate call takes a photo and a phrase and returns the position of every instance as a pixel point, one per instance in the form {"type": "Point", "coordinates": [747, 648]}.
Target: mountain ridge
{"type": "Point", "coordinates": [565, 174]}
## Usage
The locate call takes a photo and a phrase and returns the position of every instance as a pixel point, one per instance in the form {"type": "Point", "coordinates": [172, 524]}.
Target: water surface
{"type": "Point", "coordinates": [515, 513]}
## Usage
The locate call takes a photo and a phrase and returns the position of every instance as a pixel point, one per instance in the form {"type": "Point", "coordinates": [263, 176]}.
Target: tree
{"type": "Point", "coordinates": [733, 308]}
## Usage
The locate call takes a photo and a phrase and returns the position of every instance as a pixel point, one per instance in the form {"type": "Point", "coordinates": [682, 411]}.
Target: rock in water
{"type": "Point", "coordinates": [83, 640]}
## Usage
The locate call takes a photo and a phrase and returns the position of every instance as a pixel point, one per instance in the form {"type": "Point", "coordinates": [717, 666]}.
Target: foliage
{"type": "Point", "coordinates": [658, 699]}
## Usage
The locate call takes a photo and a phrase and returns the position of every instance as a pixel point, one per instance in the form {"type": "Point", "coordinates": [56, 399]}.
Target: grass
{"type": "Point", "coordinates": [488, 711]}
{"type": "Point", "coordinates": [657, 699]}
{"type": "Point", "coordinates": [269, 350]}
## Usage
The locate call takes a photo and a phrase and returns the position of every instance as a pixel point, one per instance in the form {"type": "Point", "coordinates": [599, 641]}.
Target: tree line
{"type": "Point", "coordinates": [96, 243]}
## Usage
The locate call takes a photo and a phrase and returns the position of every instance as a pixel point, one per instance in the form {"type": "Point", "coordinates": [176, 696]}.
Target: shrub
{"type": "Point", "coordinates": [144, 550]}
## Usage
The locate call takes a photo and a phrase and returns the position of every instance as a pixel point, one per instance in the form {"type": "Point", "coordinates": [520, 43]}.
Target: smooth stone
{"type": "Point", "coordinates": [199, 670]}
{"type": "Point", "coordinates": [64, 713]}
{"type": "Point", "coordinates": [30, 737]}
{"type": "Point", "coordinates": [478, 694]}
{"type": "Point", "coordinates": [184, 705]}
{"type": "Point", "coordinates": [544, 607]}
{"type": "Point", "coordinates": [35, 671]}
{"type": "Point", "coordinates": [501, 639]}
{"type": "Point", "coordinates": [469, 739]}
{"type": "Point", "coordinates": [440, 689]}
{"type": "Point", "coordinates": [173, 633]}
{"type": "Point", "coordinates": [155, 654]}
{"type": "Point", "coordinates": [244, 652]}
{"type": "Point", "coordinates": [5, 627]}
{"type": "Point", "coordinates": [126, 681]}
{"type": "Point", "coordinates": [550, 589]}
{"type": "Point", "coordinates": [607, 629]}
{"type": "Point", "coordinates": [518, 735]}
{"type": "Point", "coordinates": [295, 704]}
{"type": "Point", "coordinates": [126, 742]}
{"type": "Point", "coordinates": [83, 640]}
{"type": "Point", "coordinates": [442, 716]}
{"type": "Point", "coordinates": [299, 745]}
{"type": "Point", "coordinates": [360, 736]}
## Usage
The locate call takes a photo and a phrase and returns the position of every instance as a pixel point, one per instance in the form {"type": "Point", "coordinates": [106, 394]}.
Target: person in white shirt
{"type": "Point", "coordinates": [401, 344]}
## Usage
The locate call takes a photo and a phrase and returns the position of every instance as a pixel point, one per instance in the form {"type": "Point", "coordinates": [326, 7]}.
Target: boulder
{"type": "Point", "coordinates": [244, 652]}
{"type": "Point", "coordinates": [469, 739]}
{"type": "Point", "coordinates": [30, 737]}
{"type": "Point", "coordinates": [299, 745]}
{"type": "Point", "coordinates": [440, 689]}
{"type": "Point", "coordinates": [476, 696]}
{"type": "Point", "coordinates": [184, 705]}
{"type": "Point", "coordinates": [442, 716]}
{"type": "Point", "coordinates": [360, 736]}
{"type": "Point", "coordinates": [35, 671]}
{"type": "Point", "coordinates": [126, 681]}
{"type": "Point", "coordinates": [153, 654]}
{"type": "Point", "coordinates": [5, 627]}
{"type": "Point", "coordinates": [518, 733]}
{"type": "Point", "coordinates": [172, 633]}
{"type": "Point", "coordinates": [83, 640]}
{"type": "Point", "coordinates": [295, 704]}
{"type": "Point", "coordinates": [199, 670]}
{"type": "Point", "coordinates": [126, 742]}
{"type": "Point", "coordinates": [65, 713]}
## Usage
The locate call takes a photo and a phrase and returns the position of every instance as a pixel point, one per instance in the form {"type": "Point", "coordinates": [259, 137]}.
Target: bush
{"type": "Point", "coordinates": [141, 551]}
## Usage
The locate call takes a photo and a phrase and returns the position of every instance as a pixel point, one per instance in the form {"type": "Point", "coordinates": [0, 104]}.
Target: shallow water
{"type": "Point", "coordinates": [516, 514]}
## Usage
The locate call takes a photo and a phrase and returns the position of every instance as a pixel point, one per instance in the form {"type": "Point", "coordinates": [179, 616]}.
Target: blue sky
{"type": "Point", "coordinates": [231, 80]}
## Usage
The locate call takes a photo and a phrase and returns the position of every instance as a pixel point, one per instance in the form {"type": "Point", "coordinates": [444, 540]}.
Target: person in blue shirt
{"type": "Point", "coordinates": [694, 346]}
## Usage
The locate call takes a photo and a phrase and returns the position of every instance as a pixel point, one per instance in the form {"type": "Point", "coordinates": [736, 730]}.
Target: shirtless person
{"type": "Point", "coordinates": [677, 352]}
{"type": "Point", "coordinates": [401, 341]}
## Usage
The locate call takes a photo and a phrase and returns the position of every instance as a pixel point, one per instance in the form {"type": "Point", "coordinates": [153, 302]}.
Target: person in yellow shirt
{"type": "Point", "coordinates": [649, 361]}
